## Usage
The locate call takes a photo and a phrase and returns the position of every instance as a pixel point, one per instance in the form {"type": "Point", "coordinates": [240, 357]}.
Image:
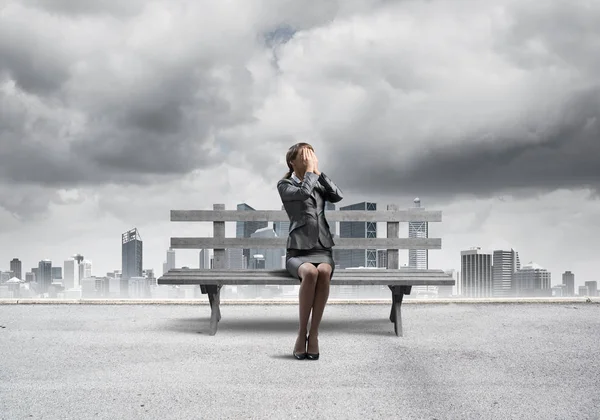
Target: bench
{"type": "Point", "coordinates": [399, 280]}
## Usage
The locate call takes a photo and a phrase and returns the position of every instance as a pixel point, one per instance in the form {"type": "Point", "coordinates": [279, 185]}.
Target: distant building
{"type": "Point", "coordinates": [583, 291]}
{"type": "Point", "coordinates": [592, 287]}
{"type": "Point", "coordinates": [71, 274]}
{"type": "Point", "coordinates": [505, 264]}
{"type": "Point", "coordinates": [15, 267]}
{"type": "Point", "coordinates": [44, 278]}
{"type": "Point", "coordinates": [568, 279]}
{"type": "Point", "coordinates": [476, 273]}
{"type": "Point", "coordinates": [245, 229]}
{"type": "Point", "coordinates": [204, 258]}
{"type": "Point", "coordinates": [57, 273]}
{"type": "Point", "coordinates": [131, 258]}
{"type": "Point", "coordinates": [170, 263]}
{"type": "Point", "coordinates": [533, 281]}
{"type": "Point", "coordinates": [348, 258]}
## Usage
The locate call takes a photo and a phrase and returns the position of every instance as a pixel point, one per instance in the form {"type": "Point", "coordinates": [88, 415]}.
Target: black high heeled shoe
{"type": "Point", "coordinates": [311, 356]}
{"type": "Point", "coordinates": [301, 356]}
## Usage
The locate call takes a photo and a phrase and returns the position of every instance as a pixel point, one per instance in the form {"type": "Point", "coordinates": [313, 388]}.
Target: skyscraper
{"type": "Point", "coordinates": [271, 256]}
{"type": "Point", "coordinates": [15, 267]}
{"type": "Point", "coordinates": [170, 263]}
{"type": "Point", "coordinates": [44, 276]}
{"type": "Point", "coordinates": [204, 259]}
{"type": "Point", "coordinates": [245, 229]}
{"type": "Point", "coordinates": [70, 274]}
{"type": "Point", "coordinates": [568, 279]}
{"type": "Point", "coordinates": [358, 257]}
{"type": "Point", "coordinates": [476, 273]}
{"type": "Point", "coordinates": [131, 254]}
{"type": "Point", "coordinates": [419, 258]}
{"type": "Point", "coordinates": [505, 264]}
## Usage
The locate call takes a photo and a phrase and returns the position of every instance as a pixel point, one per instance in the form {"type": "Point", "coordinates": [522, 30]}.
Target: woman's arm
{"type": "Point", "coordinates": [290, 192]}
{"type": "Point", "coordinates": [332, 193]}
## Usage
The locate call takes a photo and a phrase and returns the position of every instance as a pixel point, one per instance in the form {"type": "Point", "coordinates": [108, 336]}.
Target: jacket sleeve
{"type": "Point", "coordinates": [332, 193]}
{"type": "Point", "coordinates": [290, 192]}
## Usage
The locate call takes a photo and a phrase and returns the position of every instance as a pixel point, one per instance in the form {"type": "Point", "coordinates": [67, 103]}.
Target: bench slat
{"type": "Point", "coordinates": [410, 215]}
{"type": "Point", "coordinates": [340, 243]}
{"type": "Point", "coordinates": [282, 273]}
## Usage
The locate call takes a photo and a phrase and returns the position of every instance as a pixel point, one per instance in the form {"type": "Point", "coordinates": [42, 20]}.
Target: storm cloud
{"type": "Point", "coordinates": [430, 97]}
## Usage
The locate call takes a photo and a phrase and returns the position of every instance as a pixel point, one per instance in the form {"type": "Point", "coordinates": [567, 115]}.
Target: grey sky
{"type": "Point", "coordinates": [113, 114]}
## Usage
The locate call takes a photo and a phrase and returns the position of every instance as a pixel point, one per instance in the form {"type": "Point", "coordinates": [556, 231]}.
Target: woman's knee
{"type": "Point", "coordinates": [308, 272]}
{"type": "Point", "coordinates": [324, 272]}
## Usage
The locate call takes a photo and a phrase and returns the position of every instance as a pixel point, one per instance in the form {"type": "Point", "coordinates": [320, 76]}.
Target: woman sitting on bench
{"type": "Point", "coordinates": [304, 190]}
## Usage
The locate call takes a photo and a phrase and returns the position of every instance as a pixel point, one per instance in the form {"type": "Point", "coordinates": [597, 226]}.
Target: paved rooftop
{"type": "Point", "coordinates": [465, 361]}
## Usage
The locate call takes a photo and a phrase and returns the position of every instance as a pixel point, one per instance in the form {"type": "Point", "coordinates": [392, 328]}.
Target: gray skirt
{"type": "Point", "coordinates": [294, 258]}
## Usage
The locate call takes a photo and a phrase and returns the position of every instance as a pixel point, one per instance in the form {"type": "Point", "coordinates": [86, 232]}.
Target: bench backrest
{"type": "Point", "coordinates": [218, 242]}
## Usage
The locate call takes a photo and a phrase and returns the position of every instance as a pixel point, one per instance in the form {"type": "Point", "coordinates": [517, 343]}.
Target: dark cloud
{"type": "Point", "coordinates": [79, 8]}
{"type": "Point", "coordinates": [566, 156]}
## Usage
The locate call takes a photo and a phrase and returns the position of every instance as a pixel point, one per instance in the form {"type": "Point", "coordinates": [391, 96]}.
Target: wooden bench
{"type": "Point", "coordinates": [399, 280]}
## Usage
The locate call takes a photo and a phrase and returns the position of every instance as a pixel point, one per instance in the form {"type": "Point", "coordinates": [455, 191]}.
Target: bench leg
{"type": "Point", "coordinates": [398, 293]}
{"type": "Point", "coordinates": [214, 297]}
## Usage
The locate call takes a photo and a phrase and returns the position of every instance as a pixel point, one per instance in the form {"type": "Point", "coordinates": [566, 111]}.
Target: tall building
{"type": "Point", "coordinates": [85, 269]}
{"type": "Point", "coordinates": [505, 264]}
{"type": "Point", "coordinates": [282, 229]}
{"type": "Point", "coordinates": [592, 287]}
{"type": "Point", "coordinates": [568, 279]}
{"type": "Point", "coordinates": [347, 258]}
{"type": "Point", "coordinates": [204, 259]}
{"type": "Point", "coordinates": [533, 281]}
{"type": "Point", "coordinates": [476, 273]}
{"type": "Point", "coordinates": [15, 267]}
{"type": "Point", "coordinates": [71, 274]}
{"type": "Point", "coordinates": [419, 258]}
{"type": "Point", "coordinates": [170, 263]}
{"type": "Point", "coordinates": [131, 254]}
{"type": "Point", "coordinates": [245, 229]}
{"type": "Point", "coordinates": [270, 256]}
{"type": "Point", "coordinates": [234, 259]}
{"type": "Point", "coordinates": [44, 277]}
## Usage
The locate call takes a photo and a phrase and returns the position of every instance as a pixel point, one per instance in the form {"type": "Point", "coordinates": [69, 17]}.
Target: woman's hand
{"type": "Point", "coordinates": [315, 163]}
{"type": "Point", "coordinates": [308, 160]}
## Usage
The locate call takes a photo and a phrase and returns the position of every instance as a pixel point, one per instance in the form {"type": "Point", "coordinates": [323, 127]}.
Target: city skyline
{"type": "Point", "coordinates": [131, 116]}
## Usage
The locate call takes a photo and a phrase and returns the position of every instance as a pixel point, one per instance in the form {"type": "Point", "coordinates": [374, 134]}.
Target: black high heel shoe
{"type": "Point", "coordinates": [301, 356]}
{"type": "Point", "coordinates": [311, 356]}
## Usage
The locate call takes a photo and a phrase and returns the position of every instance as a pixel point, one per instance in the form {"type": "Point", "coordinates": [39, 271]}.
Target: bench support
{"type": "Point", "coordinates": [398, 293]}
{"type": "Point", "coordinates": [214, 297]}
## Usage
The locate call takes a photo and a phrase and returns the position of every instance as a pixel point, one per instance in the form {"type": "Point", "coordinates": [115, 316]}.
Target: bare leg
{"type": "Point", "coordinates": [321, 296]}
{"type": "Point", "coordinates": [308, 273]}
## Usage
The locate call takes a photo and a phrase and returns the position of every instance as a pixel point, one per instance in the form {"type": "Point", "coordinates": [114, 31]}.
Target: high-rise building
{"type": "Point", "coordinates": [44, 277]}
{"type": "Point", "coordinates": [131, 254]}
{"type": "Point", "coordinates": [71, 274]}
{"type": "Point", "coordinates": [85, 269]}
{"type": "Point", "coordinates": [592, 288]}
{"type": "Point", "coordinates": [245, 229]}
{"type": "Point", "coordinates": [532, 280]}
{"type": "Point", "coordinates": [347, 258]}
{"type": "Point", "coordinates": [505, 264]}
{"type": "Point", "coordinates": [419, 258]}
{"type": "Point", "coordinates": [568, 279]}
{"type": "Point", "coordinates": [234, 259]}
{"type": "Point", "coordinates": [170, 263]}
{"type": "Point", "coordinates": [15, 267]}
{"type": "Point", "coordinates": [204, 259]}
{"type": "Point", "coordinates": [476, 273]}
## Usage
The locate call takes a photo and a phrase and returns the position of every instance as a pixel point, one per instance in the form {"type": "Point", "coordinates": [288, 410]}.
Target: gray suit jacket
{"type": "Point", "coordinates": [305, 206]}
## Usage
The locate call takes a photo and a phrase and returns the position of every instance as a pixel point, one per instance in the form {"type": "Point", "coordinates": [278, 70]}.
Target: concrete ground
{"type": "Point", "coordinates": [456, 361]}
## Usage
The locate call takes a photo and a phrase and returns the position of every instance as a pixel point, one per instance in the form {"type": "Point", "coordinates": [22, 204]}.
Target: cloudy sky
{"type": "Point", "coordinates": [112, 113]}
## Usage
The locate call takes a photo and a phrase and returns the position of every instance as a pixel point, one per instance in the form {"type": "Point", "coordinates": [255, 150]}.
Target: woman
{"type": "Point", "coordinates": [304, 190]}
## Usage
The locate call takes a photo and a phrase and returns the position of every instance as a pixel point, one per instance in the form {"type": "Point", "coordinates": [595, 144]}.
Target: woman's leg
{"type": "Point", "coordinates": [321, 296]}
{"type": "Point", "coordinates": [308, 275]}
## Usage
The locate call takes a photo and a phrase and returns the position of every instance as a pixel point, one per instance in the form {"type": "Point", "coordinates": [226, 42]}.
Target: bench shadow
{"type": "Point", "coordinates": [201, 325]}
